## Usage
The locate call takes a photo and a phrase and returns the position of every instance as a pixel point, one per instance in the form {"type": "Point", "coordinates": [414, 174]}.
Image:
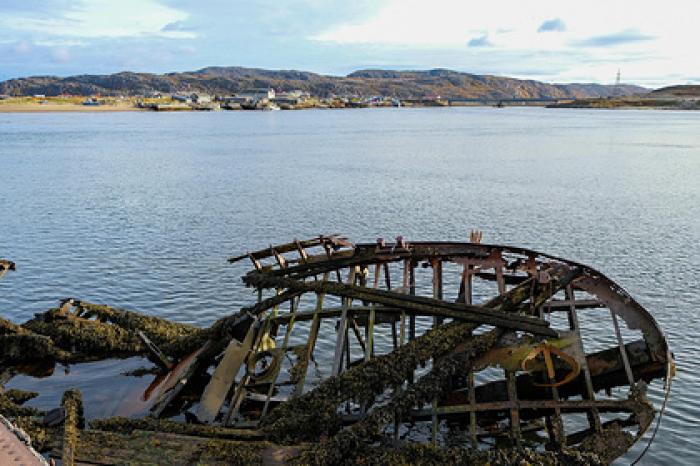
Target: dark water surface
{"type": "Point", "coordinates": [140, 210]}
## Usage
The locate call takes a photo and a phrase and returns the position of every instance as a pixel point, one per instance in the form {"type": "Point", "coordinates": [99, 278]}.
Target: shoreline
{"type": "Point", "coordinates": [78, 108]}
{"type": "Point", "coordinates": [65, 108]}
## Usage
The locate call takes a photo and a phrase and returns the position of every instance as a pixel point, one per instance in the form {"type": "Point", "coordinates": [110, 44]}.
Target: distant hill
{"type": "Point", "coordinates": [678, 91]}
{"type": "Point", "coordinates": [228, 80]}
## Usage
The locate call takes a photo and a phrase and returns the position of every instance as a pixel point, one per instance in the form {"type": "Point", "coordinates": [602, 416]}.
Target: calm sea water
{"type": "Point", "coordinates": [141, 210]}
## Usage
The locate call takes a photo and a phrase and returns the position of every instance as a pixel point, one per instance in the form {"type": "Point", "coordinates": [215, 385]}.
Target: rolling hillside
{"type": "Point", "coordinates": [228, 80]}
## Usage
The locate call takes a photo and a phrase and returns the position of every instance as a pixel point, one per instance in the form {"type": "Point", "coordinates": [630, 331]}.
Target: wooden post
{"type": "Point", "coordinates": [593, 415]}
{"type": "Point", "coordinates": [437, 294]}
{"type": "Point", "coordinates": [472, 412]}
{"type": "Point", "coordinates": [412, 292]}
{"type": "Point", "coordinates": [623, 350]}
{"type": "Point", "coordinates": [499, 279]}
{"type": "Point", "coordinates": [556, 424]}
{"type": "Point", "coordinates": [369, 346]}
{"type": "Point", "coordinates": [406, 286]}
{"type": "Point", "coordinates": [514, 410]}
{"type": "Point", "coordinates": [467, 280]}
{"type": "Point", "coordinates": [342, 329]}
{"type": "Point", "coordinates": [437, 285]}
{"type": "Point", "coordinates": [311, 340]}
{"type": "Point", "coordinates": [285, 343]}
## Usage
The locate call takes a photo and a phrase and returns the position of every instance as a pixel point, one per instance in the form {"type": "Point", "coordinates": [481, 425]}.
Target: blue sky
{"type": "Point", "coordinates": [554, 41]}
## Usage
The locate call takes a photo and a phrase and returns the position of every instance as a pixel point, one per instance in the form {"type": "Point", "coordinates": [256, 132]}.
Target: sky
{"type": "Point", "coordinates": [652, 43]}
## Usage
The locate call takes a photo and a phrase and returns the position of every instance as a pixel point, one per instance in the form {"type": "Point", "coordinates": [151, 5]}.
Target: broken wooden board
{"type": "Point", "coordinates": [158, 356]}
{"type": "Point", "coordinates": [176, 380]}
{"type": "Point", "coordinates": [224, 375]}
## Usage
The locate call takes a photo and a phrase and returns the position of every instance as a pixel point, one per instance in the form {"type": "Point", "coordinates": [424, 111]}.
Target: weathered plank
{"type": "Point", "coordinates": [224, 375]}
{"type": "Point", "coordinates": [177, 379]}
{"type": "Point", "coordinates": [148, 447]}
{"type": "Point", "coordinates": [418, 304]}
{"type": "Point", "coordinates": [335, 240]}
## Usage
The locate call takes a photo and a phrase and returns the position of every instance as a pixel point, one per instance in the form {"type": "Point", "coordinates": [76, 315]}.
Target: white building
{"type": "Point", "coordinates": [256, 94]}
{"type": "Point", "coordinates": [201, 98]}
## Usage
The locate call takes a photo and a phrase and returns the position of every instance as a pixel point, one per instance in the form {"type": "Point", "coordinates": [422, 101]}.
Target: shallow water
{"type": "Point", "coordinates": [140, 210]}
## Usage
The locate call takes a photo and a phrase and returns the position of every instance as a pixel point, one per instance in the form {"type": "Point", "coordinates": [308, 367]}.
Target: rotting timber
{"type": "Point", "coordinates": [365, 353]}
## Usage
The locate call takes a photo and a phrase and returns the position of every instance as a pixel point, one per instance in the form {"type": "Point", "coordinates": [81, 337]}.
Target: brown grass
{"type": "Point", "coordinates": [62, 104]}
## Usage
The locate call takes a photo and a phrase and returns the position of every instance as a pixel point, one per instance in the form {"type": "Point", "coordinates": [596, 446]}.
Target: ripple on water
{"type": "Point", "coordinates": [141, 210]}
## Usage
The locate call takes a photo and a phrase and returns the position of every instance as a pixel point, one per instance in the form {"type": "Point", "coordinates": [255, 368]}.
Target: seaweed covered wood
{"type": "Point", "coordinates": [346, 444]}
{"type": "Point", "coordinates": [93, 331]}
{"type": "Point", "coordinates": [426, 373]}
{"type": "Point", "coordinates": [148, 447]}
{"type": "Point", "coordinates": [128, 425]}
{"type": "Point", "coordinates": [429, 455]}
{"type": "Point", "coordinates": [73, 421]}
{"type": "Point", "coordinates": [315, 413]}
{"type": "Point", "coordinates": [79, 331]}
{"type": "Point", "coordinates": [11, 402]}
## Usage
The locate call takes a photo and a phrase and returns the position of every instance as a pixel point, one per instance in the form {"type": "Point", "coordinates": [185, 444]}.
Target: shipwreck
{"type": "Point", "coordinates": [380, 353]}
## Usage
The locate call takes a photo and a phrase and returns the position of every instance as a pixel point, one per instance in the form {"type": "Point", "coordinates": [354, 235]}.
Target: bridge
{"type": "Point", "coordinates": [508, 101]}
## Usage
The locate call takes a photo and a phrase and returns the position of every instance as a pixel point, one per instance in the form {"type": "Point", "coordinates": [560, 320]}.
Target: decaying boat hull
{"type": "Point", "coordinates": [504, 344]}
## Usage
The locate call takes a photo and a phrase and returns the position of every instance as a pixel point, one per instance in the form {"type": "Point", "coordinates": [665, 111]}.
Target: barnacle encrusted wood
{"type": "Point", "coordinates": [424, 341]}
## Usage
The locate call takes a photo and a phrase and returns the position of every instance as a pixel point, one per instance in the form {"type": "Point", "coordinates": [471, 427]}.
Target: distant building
{"type": "Point", "coordinates": [39, 96]}
{"type": "Point", "coordinates": [201, 98]}
{"type": "Point", "coordinates": [185, 99]}
{"type": "Point", "coordinates": [234, 98]}
{"type": "Point", "coordinates": [3, 96]}
{"type": "Point", "coordinates": [291, 97]}
{"type": "Point", "coordinates": [285, 99]}
{"type": "Point", "coordinates": [257, 94]}
{"type": "Point", "coordinates": [295, 94]}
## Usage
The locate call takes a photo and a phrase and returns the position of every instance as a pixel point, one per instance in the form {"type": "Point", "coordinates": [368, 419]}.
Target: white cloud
{"type": "Point", "coordinates": [23, 47]}
{"type": "Point", "coordinates": [441, 23]}
{"type": "Point", "coordinates": [60, 43]}
{"type": "Point", "coordinates": [512, 27]}
{"type": "Point", "coordinates": [61, 55]}
{"type": "Point", "coordinates": [105, 19]}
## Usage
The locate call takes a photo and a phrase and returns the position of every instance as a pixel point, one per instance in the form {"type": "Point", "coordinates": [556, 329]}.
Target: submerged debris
{"type": "Point", "coordinates": [428, 455]}
{"type": "Point", "coordinates": [11, 401]}
{"type": "Point", "coordinates": [506, 370]}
